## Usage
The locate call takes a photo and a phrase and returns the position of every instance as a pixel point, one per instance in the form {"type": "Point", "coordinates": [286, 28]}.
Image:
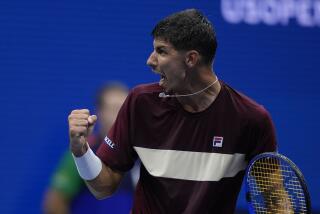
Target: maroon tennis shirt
{"type": "Point", "coordinates": [190, 162]}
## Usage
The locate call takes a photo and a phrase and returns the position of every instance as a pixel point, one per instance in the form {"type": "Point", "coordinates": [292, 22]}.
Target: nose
{"type": "Point", "coordinates": [152, 60]}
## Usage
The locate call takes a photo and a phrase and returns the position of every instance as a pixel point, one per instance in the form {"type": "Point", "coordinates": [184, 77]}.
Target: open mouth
{"type": "Point", "coordinates": [162, 79]}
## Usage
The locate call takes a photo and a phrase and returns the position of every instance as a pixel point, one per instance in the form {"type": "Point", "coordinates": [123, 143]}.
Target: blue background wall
{"type": "Point", "coordinates": [55, 54]}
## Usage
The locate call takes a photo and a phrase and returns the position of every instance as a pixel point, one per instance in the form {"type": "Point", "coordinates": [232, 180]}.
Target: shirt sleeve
{"type": "Point", "coordinates": [263, 137]}
{"type": "Point", "coordinates": [117, 151]}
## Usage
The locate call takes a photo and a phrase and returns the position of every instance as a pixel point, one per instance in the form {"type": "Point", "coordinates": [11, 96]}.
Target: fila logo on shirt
{"type": "Point", "coordinates": [217, 141]}
{"type": "Point", "coordinates": [109, 142]}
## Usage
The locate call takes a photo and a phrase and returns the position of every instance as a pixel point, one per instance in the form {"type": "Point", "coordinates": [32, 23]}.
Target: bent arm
{"type": "Point", "coordinates": [55, 203]}
{"type": "Point", "coordinates": [65, 184]}
{"type": "Point", "coordinates": [106, 183]}
{"type": "Point", "coordinates": [271, 184]}
{"type": "Point", "coordinates": [101, 180]}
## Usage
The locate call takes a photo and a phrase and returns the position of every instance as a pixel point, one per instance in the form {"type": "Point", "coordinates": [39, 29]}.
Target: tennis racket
{"type": "Point", "coordinates": [275, 185]}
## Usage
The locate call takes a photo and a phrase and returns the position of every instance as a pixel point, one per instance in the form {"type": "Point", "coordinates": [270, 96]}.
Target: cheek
{"type": "Point", "coordinates": [106, 117]}
{"type": "Point", "coordinates": [173, 70]}
{"type": "Point", "coordinates": [178, 73]}
{"type": "Point", "coordinates": [112, 115]}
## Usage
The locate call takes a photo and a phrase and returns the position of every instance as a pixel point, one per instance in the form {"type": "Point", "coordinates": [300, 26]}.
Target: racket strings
{"type": "Point", "coordinates": [275, 188]}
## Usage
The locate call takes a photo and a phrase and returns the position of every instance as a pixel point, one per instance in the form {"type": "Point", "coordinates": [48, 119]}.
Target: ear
{"type": "Point", "coordinates": [192, 58]}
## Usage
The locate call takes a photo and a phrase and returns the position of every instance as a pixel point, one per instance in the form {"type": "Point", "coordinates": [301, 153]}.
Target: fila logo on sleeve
{"type": "Point", "coordinates": [217, 141]}
{"type": "Point", "coordinates": [109, 142]}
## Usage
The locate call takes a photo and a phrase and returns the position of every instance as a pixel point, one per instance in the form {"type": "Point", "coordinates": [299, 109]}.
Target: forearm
{"type": "Point", "coordinates": [105, 184]}
{"type": "Point", "coordinates": [55, 203]}
{"type": "Point", "coordinates": [274, 192]}
{"type": "Point", "coordinates": [101, 180]}
{"type": "Point", "coordinates": [277, 200]}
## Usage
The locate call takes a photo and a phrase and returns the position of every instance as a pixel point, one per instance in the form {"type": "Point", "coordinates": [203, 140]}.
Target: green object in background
{"type": "Point", "coordinates": [66, 178]}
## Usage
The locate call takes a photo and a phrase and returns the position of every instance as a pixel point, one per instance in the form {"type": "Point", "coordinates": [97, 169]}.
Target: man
{"type": "Point", "coordinates": [67, 192]}
{"type": "Point", "coordinates": [193, 133]}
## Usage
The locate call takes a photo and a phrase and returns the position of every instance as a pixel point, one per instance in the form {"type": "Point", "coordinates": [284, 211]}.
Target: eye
{"type": "Point", "coordinates": [161, 51]}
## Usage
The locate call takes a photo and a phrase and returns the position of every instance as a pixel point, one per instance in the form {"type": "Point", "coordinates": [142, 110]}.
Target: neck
{"type": "Point", "coordinates": [206, 96]}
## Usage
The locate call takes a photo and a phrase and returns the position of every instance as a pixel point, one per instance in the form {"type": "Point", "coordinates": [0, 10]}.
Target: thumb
{"type": "Point", "coordinates": [92, 120]}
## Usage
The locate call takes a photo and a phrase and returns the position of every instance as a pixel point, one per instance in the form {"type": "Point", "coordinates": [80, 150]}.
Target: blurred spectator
{"type": "Point", "coordinates": [67, 192]}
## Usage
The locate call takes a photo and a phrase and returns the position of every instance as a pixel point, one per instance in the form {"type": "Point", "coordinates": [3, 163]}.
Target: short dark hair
{"type": "Point", "coordinates": [107, 87]}
{"type": "Point", "coordinates": [188, 30]}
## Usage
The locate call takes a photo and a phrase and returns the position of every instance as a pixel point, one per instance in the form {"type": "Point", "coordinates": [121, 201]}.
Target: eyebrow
{"type": "Point", "coordinates": [160, 46]}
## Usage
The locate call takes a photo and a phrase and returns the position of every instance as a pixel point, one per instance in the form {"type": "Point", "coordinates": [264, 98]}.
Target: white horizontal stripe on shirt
{"type": "Point", "coordinates": [187, 165]}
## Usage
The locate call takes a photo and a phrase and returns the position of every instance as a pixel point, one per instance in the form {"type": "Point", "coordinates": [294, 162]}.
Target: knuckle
{"type": "Point", "coordinates": [72, 131]}
{"type": "Point", "coordinates": [74, 111]}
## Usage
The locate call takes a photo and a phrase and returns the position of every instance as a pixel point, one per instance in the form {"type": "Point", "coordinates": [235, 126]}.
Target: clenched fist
{"type": "Point", "coordinates": [81, 125]}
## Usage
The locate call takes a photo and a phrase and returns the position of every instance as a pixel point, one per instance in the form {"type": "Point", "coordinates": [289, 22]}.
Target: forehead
{"type": "Point", "coordinates": [113, 96]}
{"type": "Point", "coordinates": [114, 93]}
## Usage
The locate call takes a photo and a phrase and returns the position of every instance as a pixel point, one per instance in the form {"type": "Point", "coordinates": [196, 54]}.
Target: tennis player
{"type": "Point", "coordinates": [193, 133]}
